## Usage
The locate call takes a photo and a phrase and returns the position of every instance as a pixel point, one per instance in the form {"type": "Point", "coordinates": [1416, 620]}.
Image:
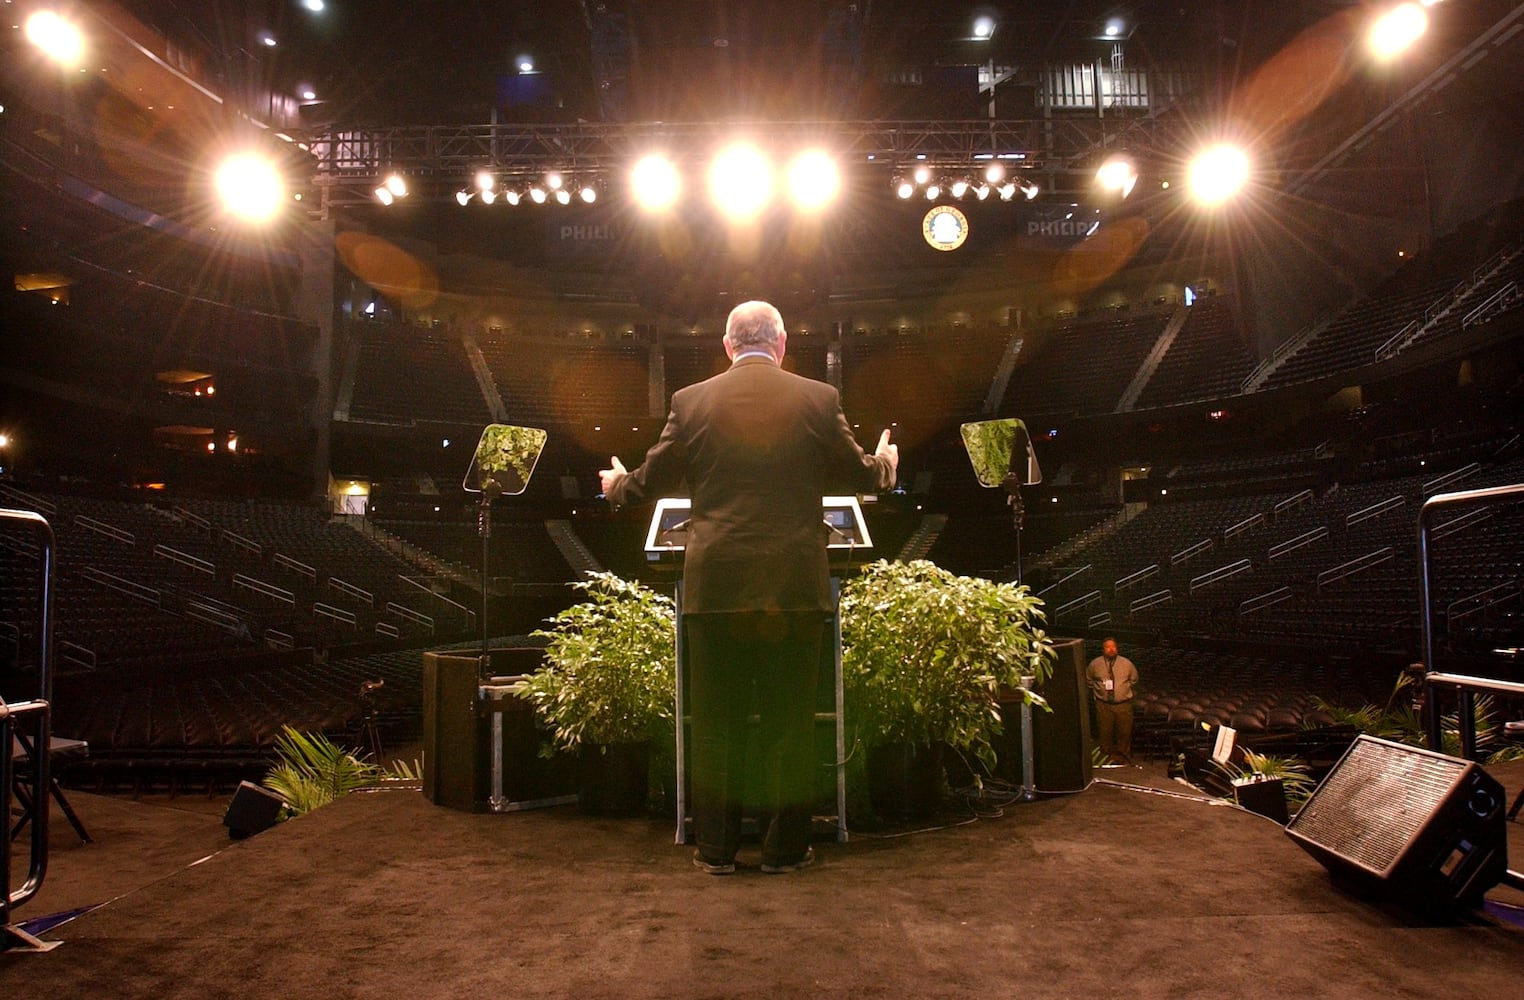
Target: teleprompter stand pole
{"type": "Point", "coordinates": [484, 528]}
{"type": "Point", "coordinates": [1012, 485]}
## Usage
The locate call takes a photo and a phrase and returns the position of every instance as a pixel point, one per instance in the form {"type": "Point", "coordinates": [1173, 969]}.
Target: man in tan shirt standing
{"type": "Point", "coordinates": [1112, 678]}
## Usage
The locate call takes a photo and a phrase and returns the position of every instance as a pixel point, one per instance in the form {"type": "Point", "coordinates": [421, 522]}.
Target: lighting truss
{"type": "Point", "coordinates": [348, 163]}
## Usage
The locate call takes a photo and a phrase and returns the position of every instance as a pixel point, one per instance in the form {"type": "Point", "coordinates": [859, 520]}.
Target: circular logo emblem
{"type": "Point", "coordinates": [944, 227]}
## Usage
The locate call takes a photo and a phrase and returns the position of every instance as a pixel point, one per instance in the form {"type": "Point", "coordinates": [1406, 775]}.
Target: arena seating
{"type": "Point", "coordinates": [1082, 366]}
{"type": "Point", "coordinates": [929, 377]}
{"type": "Point", "coordinates": [1431, 282]}
{"type": "Point", "coordinates": [568, 380]}
{"type": "Point", "coordinates": [1207, 359]}
{"type": "Point", "coordinates": [405, 374]}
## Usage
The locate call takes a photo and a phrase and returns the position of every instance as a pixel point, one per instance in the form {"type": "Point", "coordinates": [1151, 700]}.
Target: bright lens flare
{"type": "Point", "coordinates": [57, 38]}
{"type": "Point", "coordinates": [813, 180]}
{"type": "Point", "coordinates": [655, 184]}
{"type": "Point", "coordinates": [1394, 32]}
{"type": "Point", "coordinates": [1117, 175]}
{"type": "Point", "coordinates": [249, 187]}
{"type": "Point", "coordinates": [1218, 174]}
{"type": "Point", "coordinates": [740, 182]}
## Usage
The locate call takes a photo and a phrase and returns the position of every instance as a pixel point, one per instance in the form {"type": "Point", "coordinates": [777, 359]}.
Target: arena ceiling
{"type": "Point", "coordinates": [398, 62]}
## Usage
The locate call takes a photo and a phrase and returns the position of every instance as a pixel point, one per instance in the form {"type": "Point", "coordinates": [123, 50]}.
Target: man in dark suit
{"type": "Point", "coordinates": [758, 447]}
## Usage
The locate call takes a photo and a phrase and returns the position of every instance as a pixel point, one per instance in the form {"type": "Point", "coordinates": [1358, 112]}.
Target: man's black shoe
{"type": "Point", "coordinates": [711, 868]}
{"type": "Point", "coordinates": [804, 862]}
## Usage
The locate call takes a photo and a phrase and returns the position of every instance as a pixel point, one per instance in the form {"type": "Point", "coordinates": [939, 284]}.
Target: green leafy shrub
{"type": "Point", "coordinates": [609, 666]}
{"type": "Point", "coordinates": [925, 653]}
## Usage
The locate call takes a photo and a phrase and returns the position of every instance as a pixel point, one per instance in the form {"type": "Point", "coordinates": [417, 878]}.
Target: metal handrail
{"type": "Point", "coordinates": [1453, 476]}
{"type": "Point", "coordinates": [1292, 501]}
{"type": "Point", "coordinates": [1292, 544]}
{"type": "Point", "coordinates": [1503, 296]}
{"type": "Point", "coordinates": [1244, 525]}
{"type": "Point", "coordinates": [195, 563]}
{"type": "Point", "coordinates": [345, 587]}
{"type": "Point", "coordinates": [1374, 510]}
{"type": "Point", "coordinates": [1063, 580]}
{"type": "Point", "coordinates": [1265, 600]}
{"type": "Point", "coordinates": [1466, 686]}
{"type": "Point", "coordinates": [1133, 579]}
{"type": "Point", "coordinates": [1221, 573]}
{"type": "Point", "coordinates": [1463, 608]}
{"type": "Point", "coordinates": [1150, 600]}
{"type": "Point", "coordinates": [1359, 564]}
{"type": "Point", "coordinates": [38, 713]}
{"type": "Point", "coordinates": [1188, 552]}
{"type": "Point", "coordinates": [1080, 603]}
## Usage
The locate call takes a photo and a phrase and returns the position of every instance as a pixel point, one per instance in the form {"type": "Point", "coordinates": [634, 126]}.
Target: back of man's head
{"type": "Point", "coordinates": [754, 325]}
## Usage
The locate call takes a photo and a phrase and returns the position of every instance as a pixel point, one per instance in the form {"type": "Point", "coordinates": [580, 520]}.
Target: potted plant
{"type": "Point", "coordinates": [925, 653]}
{"type": "Point", "coordinates": [606, 689]}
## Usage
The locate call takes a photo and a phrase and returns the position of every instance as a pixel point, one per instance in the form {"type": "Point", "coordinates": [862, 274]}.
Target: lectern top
{"type": "Point", "coordinates": [668, 530]}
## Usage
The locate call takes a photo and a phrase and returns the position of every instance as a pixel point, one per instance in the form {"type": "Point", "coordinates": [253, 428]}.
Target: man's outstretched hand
{"type": "Point", "coordinates": [608, 477]}
{"type": "Point", "coordinates": [886, 450]}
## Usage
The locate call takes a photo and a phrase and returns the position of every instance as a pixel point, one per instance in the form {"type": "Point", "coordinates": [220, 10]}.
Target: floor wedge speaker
{"type": "Point", "coordinates": [252, 810]}
{"type": "Point", "coordinates": [1411, 826]}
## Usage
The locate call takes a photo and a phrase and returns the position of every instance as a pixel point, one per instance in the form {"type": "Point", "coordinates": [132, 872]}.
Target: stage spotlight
{"type": "Point", "coordinates": [655, 183]}
{"type": "Point", "coordinates": [982, 191]}
{"type": "Point", "coordinates": [740, 182]}
{"type": "Point", "coordinates": [813, 180]}
{"type": "Point", "coordinates": [554, 181]}
{"type": "Point", "coordinates": [383, 195]}
{"type": "Point", "coordinates": [563, 196]}
{"type": "Point", "coordinates": [511, 197]}
{"type": "Point", "coordinates": [1029, 190]}
{"type": "Point", "coordinates": [903, 188]}
{"type": "Point", "coordinates": [489, 196]}
{"type": "Point", "coordinates": [588, 194]}
{"type": "Point", "coordinates": [537, 194]}
{"type": "Point", "coordinates": [1117, 174]}
{"type": "Point", "coordinates": [1395, 31]}
{"type": "Point", "coordinates": [249, 187]}
{"type": "Point", "coordinates": [1218, 174]}
{"type": "Point", "coordinates": [59, 40]}
{"type": "Point", "coordinates": [994, 173]}
{"type": "Point", "coordinates": [485, 181]}
{"type": "Point", "coordinates": [396, 185]}
{"type": "Point", "coordinates": [1007, 190]}
{"type": "Point", "coordinates": [984, 27]}
{"type": "Point", "coordinates": [933, 191]}
{"type": "Point", "coordinates": [462, 197]}
{"type": "Point", "coordinates": [959, 188]}
{"type": "Point", "coordinates": [316, 6]}
{"type": "Point", "coordinates": [922, 173]}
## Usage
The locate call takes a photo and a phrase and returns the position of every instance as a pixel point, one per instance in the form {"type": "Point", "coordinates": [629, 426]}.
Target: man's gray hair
{"type": "Point", "coordinates": [754, 324]}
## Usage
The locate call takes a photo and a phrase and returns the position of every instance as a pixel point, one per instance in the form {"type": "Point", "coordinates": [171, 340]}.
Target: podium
{"type": "Point", "coordinates": [666, 540]}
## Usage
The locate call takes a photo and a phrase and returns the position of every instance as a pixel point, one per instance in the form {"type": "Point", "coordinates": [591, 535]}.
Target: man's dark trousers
{"type": "Point", "coordinates": [739, 662]}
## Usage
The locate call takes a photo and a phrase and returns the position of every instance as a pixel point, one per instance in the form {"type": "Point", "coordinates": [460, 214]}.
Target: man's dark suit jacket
{"type": "Point", "coordinates": [758, 448]}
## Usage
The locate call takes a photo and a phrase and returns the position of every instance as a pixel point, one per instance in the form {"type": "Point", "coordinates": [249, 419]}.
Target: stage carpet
{"type": "Point", "coordinates": [1133, 888]}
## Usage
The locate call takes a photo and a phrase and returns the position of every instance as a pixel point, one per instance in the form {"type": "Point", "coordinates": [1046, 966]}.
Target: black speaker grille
{"type": "Point", "coordinates": [1376, 800]}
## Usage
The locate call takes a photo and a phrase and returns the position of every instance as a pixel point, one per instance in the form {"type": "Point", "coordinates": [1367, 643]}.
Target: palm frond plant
{"type": "Point", "coordinates": [1293, 772]}
{"type": "Point", "coordinates": [1400, 722]}
{"type": "Point", "coordinates": [311, 771]}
